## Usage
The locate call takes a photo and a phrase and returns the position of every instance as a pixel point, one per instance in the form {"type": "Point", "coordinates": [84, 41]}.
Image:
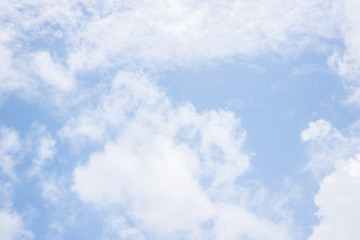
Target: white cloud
{"type": "Point", "coordinates": [41, 145]}
{"type": "Point", "coordinates": [53, 189]}
{"type": "Point", "coordinates": [237, 223]}
{"type": "Point", "coordinates": [128, 92]}
{"type": "Point", "coordinates": [52, 73]}
{"type": "Point", "coordinates": [12, 227]}
{"type": "Point", "coordinates": [334, 158]}
{"type": "Point", "coordinates": [317, 131]}
{"type": "Point", "coordinates": [9, 149]}
{"type": "Point", "coordinates": [182, 32]}
{"type": "Point", "coordinates": [104, 34]}
{"type": "Point", "coordinates": [6, 71]}
{"type": "Point", "coordinates": [25, 69]}
{"type": "Point", "coordinates": [326, 145]}
{"type": "Point", "coordinates": [9, 145]}
{"type": "Point", "coordinates": [118, 228]}
{"type": "Point", "coordinates": [171, 169]}
{"type": "Point", "coordinates": [347, 64]}
{"type": "Point", "coordinates": [338, 203]}
{"type": "Point", "coordinates": [111, 34]}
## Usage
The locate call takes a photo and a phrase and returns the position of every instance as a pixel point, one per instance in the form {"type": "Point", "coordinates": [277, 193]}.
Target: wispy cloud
{"type": "Point", "coordinates": [11, 223]}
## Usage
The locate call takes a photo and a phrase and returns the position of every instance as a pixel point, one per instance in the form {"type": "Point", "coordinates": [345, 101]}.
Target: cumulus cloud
{"type": "Point", "coordinates": [172, 170]}
{"type": "Point", "coordinates": [337, 200]}
{"type": "Point", "coordinates": [326, 145]}
{"type": "Point", "coordinates": [316, 131]}
{"type": "Point", "coordinates": [334, 157]}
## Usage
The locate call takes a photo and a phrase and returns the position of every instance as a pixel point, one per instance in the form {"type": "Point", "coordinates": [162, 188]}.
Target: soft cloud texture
{"type": "Point", "coordinates": [327, 145]}
{"type": "Point", "coordinates": [338, 199]}
{"type": "Point", "coordinates": [335, 156]}
{"type": "Point", "coordinates": [347, 63]}
{"type": "Point", "coordinates": [106, 34]}
{"type": "Point", "coordinates": [9, 145]}
{"type": "Point", "coordinates": [52, 73]}
{"type": "Point", "coordinates": [11, 227]}
{"type": "Point", "coordinates": [11, 224]}
{"type": "Point", "coordinates": [183, 32]}
{"type": "Point", "coordinates": [44, 145]}
{"type": "Point", "coordinates": [172, 170]}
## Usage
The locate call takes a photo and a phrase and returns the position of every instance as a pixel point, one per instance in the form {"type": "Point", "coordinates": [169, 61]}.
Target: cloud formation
{"type": "Point", "coordinates": [11, 227]}
{"type": "Point", "coordinates": [334, 157]}
{"type": "Point", "coordinates": [171, 169]}
{"type": "Point", "coordinates": [327, 145]}
{"type": "Point", "coordinates": [337, 201]}
{"type": "Point", "coordinates": [87, 35]}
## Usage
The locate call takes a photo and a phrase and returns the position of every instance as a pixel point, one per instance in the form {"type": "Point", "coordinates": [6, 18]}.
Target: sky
{"type": "Point", "coordinates": [175, 119]}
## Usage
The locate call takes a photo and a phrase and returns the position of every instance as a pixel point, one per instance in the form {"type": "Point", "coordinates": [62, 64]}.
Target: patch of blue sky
{"type": "Point", "coordinates": [21, 114]}
{"type": "Point", "coordinates": [28, 201]}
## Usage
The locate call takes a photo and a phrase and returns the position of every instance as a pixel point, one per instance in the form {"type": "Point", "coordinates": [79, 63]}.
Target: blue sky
{"type": "Point", "coordinates": [179, 119]}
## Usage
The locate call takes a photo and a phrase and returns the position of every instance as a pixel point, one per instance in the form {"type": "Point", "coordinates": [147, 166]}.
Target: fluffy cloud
{"type": "Point", "coordinates": [334, 155]}
{"type": "Point", "coordinates": [169, 168]}
{"type": "Point", "coordinates": [52, 73]}
{"type": "Point", "coordinates": [326, 145]}
{"type": "Point", "coordinates": [317, 130]}
{"type": "Point", "coordinates": [338, 202]}
{"type": "Point", "coordinates": [11, 227]}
